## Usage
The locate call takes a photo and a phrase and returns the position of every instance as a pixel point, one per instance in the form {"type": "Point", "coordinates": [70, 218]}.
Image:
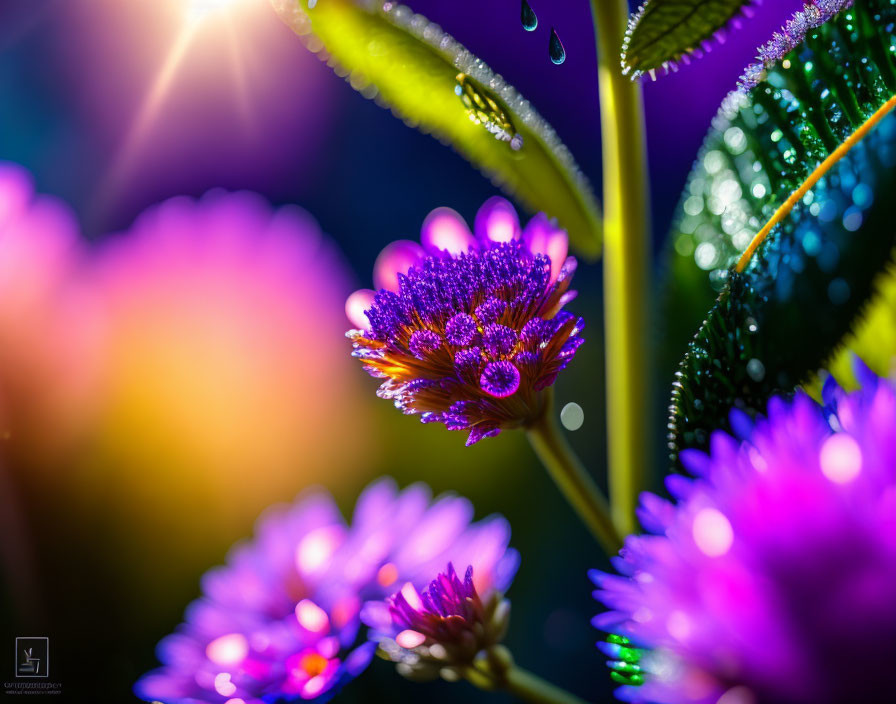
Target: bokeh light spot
{"type": "Point", "coordinates": [316, 548]}
{"type": "Point", "coordinates": [311, 616]}
{"type": "Point", "coordinates": [228, 650]}
{"type": "Point", "coordinates": [387, 574]}
{"type": "Point", "coordinates": [410, 639]}
{"type": "Point", "coordinates": [223, 685]}
{"type": "Point", "coordinates": [737, 695]}
{"type": "Point", "coordinates": [841, 458]}
{"type": "Point", "coordinates": [572, 416]}
{"type": "Point", "coordinates": [712, 532]}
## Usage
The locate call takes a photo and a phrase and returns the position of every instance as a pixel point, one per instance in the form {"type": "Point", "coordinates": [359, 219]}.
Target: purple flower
{"type": "Point", "coordinates": [468, 331]}
{"type": "Point", "coordinates": [771, 578]}
{"type": "Point", "coordinates": [445, 625]}
{"type": "Point", "coordinates": [280, 622]}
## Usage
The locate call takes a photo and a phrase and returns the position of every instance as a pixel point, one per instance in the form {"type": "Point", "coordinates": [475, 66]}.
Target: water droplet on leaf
{"type": "Point", "coordinates": [527, 15]}
{"type": "Point", "coordinates": [555, 48]}
{"type": "Point", "coordinates": [486, 109]}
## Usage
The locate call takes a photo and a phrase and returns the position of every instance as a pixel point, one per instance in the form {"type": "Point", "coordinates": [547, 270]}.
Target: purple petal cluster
{"type": "Point", "coordinates": [280, 622]}
{"type": "Point", "coordinates": [771, 578]}
{"type": "Point", "coordinates": [468, 331]}
{"type": "Point", "coordinates": [448, 623]}
{"type": "Point", "coordinates": [814, 14]}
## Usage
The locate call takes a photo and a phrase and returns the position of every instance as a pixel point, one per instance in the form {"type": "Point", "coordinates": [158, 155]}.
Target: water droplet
{"type": "Point", "coordinates": [756, 370]}
{"type": "Point", "coordinates": [572, 416]}
{"type": "Point", "coordinates": [311, 4]}
{"type": "Point", "coordinates": [527, 15]}
{"type": "Point", "coordinates": [555, 48]}
{"type": "Point", "coordinates": [487, 109]}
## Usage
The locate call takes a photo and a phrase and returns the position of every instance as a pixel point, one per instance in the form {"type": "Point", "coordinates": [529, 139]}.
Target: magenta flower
{"type": "Point", "coordinates": [771, 578]}
{"type": "Point", "coordinates": [280, 622]}
{"type": "Point", "coordinates": [445, 625]}
{"type": "Point", "coordinates": [468, 331]}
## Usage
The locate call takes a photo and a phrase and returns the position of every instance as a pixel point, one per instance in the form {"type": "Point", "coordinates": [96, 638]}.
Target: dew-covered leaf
{"type": "Point", "coordinates": [821, 271]}
{"type": "Point", "coordinates": [411, 65]}
{"type": "Point", "coordinates": [664, 32]}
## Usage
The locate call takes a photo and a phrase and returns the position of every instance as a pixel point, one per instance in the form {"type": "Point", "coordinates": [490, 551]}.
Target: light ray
{"type": "Point", "coordinates": [240, 79]}
{"type": "Point", "coordinates": [146, 115]}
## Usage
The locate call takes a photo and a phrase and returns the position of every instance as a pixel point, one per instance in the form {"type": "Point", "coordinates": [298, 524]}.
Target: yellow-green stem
{"type": "Point", "coordinates": [496, 670]}
{"type": "Point", "coordinates": [531, 688]}
{"type": "Point", "coordinates": [626, 265]}
{"type": "Point", "coordinates": [573, 479]}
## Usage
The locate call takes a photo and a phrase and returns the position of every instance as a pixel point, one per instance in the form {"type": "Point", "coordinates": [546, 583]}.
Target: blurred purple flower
{"type": "Point", "coordinates": [280, 622]}
{"type": "Point", "coordinates": [771, 579]}
{"type": "Point", "coordinates": [469, 331]}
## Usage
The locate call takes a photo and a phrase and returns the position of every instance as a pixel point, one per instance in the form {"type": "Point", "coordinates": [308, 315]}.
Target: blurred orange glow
{"type": "Point", "coordinates": [201, 353]}
{"type": "Point", "coordinates": [227, 383]}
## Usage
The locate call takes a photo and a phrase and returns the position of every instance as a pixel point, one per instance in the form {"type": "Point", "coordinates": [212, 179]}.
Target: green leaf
{"type": "Point", "coordinates": [809, 286]}
{"type": "Point", "coordinates": [407, 63]}
{"type": "Point", "coordinates": [664, 31]}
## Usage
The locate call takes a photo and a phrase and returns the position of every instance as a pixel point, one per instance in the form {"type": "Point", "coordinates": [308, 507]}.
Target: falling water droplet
{"type": "Point", "coordinates": [527, 15]}
{"type": "Point", "coordinates": [555, 48]}
{"type": "Point", "coordinates": [311, 4]}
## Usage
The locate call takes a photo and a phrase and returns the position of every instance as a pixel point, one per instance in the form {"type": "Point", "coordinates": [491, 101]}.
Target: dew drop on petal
{"type": "Point", "coordinates": [841, 458]}
{"type": "Point", "coordinates": [712, 532]}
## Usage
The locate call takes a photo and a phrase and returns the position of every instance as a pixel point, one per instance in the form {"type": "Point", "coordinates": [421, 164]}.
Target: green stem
{"type": "Point", "coordinates": [573, 479]}
{"type": "Point", "coordinates": [495, 669]}
{"type": "Point", "coordinates": [531, 688]}
{"type": "Point", "coordinates": [626, 257]}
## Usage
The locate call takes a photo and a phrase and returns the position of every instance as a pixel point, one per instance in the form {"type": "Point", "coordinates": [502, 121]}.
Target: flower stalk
{"type": "Point", "coordinates": [626, 257]}
{"type": "Point", "coordinates": [573, 479]}
{"type": "Point", "coordinates": [495, 670]}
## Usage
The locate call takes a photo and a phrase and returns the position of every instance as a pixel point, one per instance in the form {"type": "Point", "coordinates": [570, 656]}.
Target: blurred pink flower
{"type": "Point", "coordinates": [223, 384]}
{"type": "Point", "coordinates": [45, 369]}
{"type": "Point", "coordinates": [186, 373]}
